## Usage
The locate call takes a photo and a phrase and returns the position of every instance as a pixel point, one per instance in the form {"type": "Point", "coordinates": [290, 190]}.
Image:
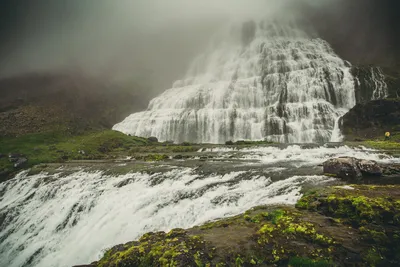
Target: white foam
{"type": "Point", "coordinates": [98, 214]}
{"type": "Point", "coordinates": [295, 154]}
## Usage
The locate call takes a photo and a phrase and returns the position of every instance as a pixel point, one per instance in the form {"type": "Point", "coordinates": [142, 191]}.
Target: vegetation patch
{"type": "Point", "coordinates": [59, 147]}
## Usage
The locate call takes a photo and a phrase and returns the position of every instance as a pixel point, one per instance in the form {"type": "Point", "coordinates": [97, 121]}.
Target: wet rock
{"type": "Point", "coordinates": [392, 169]}
{"type": "Point", "coordinates": [203, 158]}
{"type": "Point", "coordinates": [178, 157]}
{"type": "Point", "coordinates": [345, 168]}
{"type": "Point", "coordinates": [369, 168]}
{"type": "Point", "coordinates": [152, 139]}
{"type": "Point", "coordinates": [352, 168]}
{"type": "Point", "coordinates": [372, 119]}
{"type": "Point", "coordinates": [14, 155]}
{"type": "Point", "coordinates": [20, 162]}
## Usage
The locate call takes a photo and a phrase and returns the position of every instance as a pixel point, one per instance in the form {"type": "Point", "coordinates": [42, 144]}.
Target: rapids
{"type": "Point", "coordinates": [66, 218]}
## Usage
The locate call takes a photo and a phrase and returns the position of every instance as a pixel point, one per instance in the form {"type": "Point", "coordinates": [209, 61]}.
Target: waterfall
{"type": "Point", "coordinates": [369, 83]}
{"type": "Point", "coordinates": [267, 80]}
{"type": "Point", "coordinates": [70, 216]}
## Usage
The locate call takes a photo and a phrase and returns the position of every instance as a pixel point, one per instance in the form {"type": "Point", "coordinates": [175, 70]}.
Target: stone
{"type": "Point", "coordinates": [152, 139]}
{"type": "Point", "coordinates": [178, 157]}
{"type": "Point", "coordinates": [369, 168]}
{"type": "Point", "coordinates": [345, 168]}
{"type": "Point", "coordinates": [352, 168]}
{"type": "Point", "coordinates": [20, 162]}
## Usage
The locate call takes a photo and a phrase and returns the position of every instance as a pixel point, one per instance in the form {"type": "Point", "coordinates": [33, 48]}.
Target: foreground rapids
{"type": "Point", "coordinates": [69, 216]}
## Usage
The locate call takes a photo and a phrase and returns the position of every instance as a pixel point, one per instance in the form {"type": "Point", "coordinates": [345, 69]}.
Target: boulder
{"type": "Point", "coordinates": [345, 168]}
{"type": "Point", "coordinates": [178, 156]}
{"type": "Point", "coordinates": [153, 139]}
{"type": "Point", "coordinates": [20, 162]}
{"type": "Point", "coordinates": [369, 167]}
{"type": "Point", "coordinates": [351, 168]}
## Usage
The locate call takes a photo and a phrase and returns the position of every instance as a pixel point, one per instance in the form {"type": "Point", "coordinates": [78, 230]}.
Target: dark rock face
{"type": "Point", "coordinates": [372, 119]}
{"type": "Point", "coordinates": [392, 79]}
{"type": "Point", "coordinates": [351, 168]}
{"type": "Point", "coordinates": [153, 139]}
{"type": "Point", "coordinates": [367, 79]}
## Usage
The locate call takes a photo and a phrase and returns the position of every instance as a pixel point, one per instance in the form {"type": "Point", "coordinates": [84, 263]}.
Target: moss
{"type": "Point", "coordinates": [155, 157]}
{"type": "Point", "coordinates": [372, 257]}
{"type": "Point", "coordinates": [175, 248]}
{"type": "Point", "coordinates": [306, 262]}
{"type": "Point", "coordinates": [351, 205]}
{"type": "Point", "coordinates": [239, 261]}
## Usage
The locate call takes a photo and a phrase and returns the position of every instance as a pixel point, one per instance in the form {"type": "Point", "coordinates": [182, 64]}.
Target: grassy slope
{"type": "Point", "coordinates": [392, 144]}
{"type": "Point", "coordinates": [58, 147]}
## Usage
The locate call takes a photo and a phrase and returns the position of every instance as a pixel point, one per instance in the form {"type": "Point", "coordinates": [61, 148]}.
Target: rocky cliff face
{"type": "Point", "coordinates": [373, 82]}
{"type": "Point", "coordinates": [372, 119]}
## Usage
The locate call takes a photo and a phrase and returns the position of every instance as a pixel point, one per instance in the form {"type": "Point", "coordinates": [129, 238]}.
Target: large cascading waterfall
{"type": "Point", "coordinates": [266, 80]}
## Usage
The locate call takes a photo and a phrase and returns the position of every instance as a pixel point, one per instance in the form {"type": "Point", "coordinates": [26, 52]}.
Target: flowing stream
{"type": "Point", "coordinates": [70, 216]}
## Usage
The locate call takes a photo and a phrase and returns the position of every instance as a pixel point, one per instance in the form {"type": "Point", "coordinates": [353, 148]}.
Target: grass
{"type": "Point", "coordinates": [392, 144]}
{"type": "Point", "coordinates": [58, 147]}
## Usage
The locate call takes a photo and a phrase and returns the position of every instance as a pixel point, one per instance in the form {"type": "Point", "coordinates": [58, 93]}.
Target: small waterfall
{"type": "Point", "coordinates": [267, 80]}
{"type": "Point", "coordinates": [369, 83]}
{"type": "Point", "coordinates": [69, 218]}
{"type": "Point", "coordinates": [379, 85]}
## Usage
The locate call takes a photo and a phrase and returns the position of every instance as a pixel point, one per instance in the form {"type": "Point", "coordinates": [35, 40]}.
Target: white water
{"type": "Point", "coordinates": [295, 156]}
{"type": "Point", "coordinates": [70, 219]}
{"type": "Point", "coordinates": [281, 84]}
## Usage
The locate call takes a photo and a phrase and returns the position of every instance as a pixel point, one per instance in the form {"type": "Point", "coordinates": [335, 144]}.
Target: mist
{"type": "Point", "coordinates": [156, 40]}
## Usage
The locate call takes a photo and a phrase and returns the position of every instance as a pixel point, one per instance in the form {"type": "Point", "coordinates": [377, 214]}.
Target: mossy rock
{"type": "Point", "coordinates": [337, 226]}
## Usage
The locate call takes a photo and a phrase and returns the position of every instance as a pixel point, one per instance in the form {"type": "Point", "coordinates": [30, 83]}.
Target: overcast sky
{"type": "Point", "coordinates": [128, 38]}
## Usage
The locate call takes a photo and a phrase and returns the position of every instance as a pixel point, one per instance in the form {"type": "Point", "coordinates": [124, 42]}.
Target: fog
{"type": "Point", "coordinates": [156, 39]}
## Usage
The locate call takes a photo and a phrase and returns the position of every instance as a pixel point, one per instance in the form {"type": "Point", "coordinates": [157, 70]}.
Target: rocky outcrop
{"type": "Point", "coordinates": [373, 82]}
{"type": "Point", "coordinates": [369, 83]}
{"type": "Point", "coordinates": [351, 168]}
{"type": "Point", "coordinates": [337, 226]}
{"type": "Point", "coordinates": [372, 119]}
